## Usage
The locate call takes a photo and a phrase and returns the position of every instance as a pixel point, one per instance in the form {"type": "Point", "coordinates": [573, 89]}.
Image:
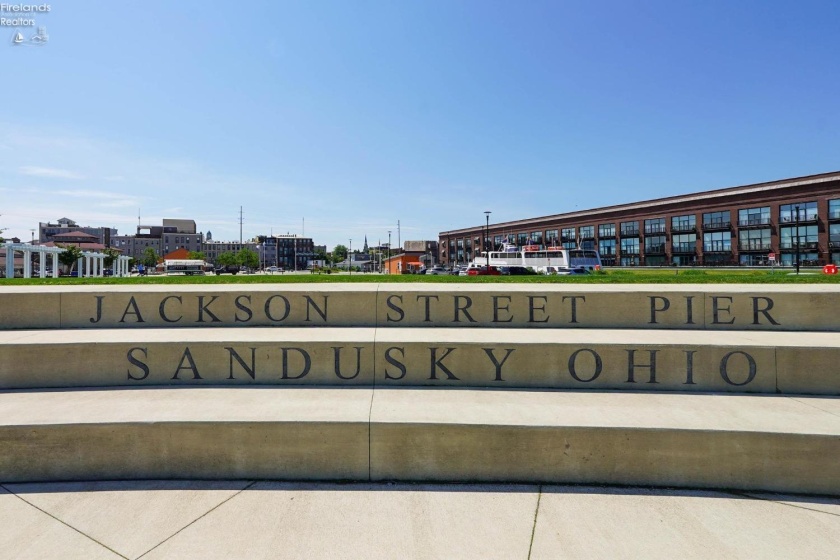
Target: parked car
{"type": "Point", "coordinates": [483, 271]}
{"type": "Point", "coordinates": [437, 270]}
{"type": "Point", "coordinates": [515, 271]}
{"type": "Point", "coordinates": [272, 269]}
{"type": "Point", "coordinates": [571, 271]}
{"type": "Point", "coordinates": [231, 268]}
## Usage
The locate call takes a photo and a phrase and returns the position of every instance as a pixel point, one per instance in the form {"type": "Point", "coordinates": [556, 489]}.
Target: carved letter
{"type": "Point", "coordinates": [285, 311]}
{"type": "Point", "coordinates": [393, 362]}
{"type": "Point", "coordinates": [188, 357]}
{"type": "Point", "coordinates": [395, 308]}
{"type": "Point", "coordinates": [497, 308]}
{"type": "Point", "coordinates": [134, 361]}
{"type": "Point", "coordinates": [162, 309]}
{"type": "Point", "coordinates": [243, 308]}
{"type": "Point", "coordinates": [132, 304]}
{"type": "Point", "coordinates": [689, 367]}
{"type": "Point", "coordinates": [531, 309]}
{"type": "Point", "coordinates": [574, 305]}
{"type": "Point", "coordinates": [337, 351]}
{"type": "Point", "coordinates": [307, 363]}
{"type": "Point", "coordinates": [458, 309]}
{"type": "Point", "coordinates": [631, 365]}
{"type": "Point", "coordinates": [202, 308]}
{"type": "Point", "coordinates": [768, 306]}
{"type": "Point", "coordinates": [689, 310]}
{"type": "Point", "coordinates": [598, 365]}
{"type": "Point", "coordinates": [98, 309]}
{"type": "Point", "coordinates": [715, 310]}
{"type": "Point", "coordinates": [497, 363]}
{"type": "Point", "coordinates": [666, 303]}
{"type": "Point", "coordinates": [437, 364]}
{"type": "Point", "coordinates": [724, 373]}
{"type": "Point", "coordinates": [252, 371]}
{"type": "Point", "coordinates": [428, 318]}
{"type": "Point", "coordinates": [311, 303]}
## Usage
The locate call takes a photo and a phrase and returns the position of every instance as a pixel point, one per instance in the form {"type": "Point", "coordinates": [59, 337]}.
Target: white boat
{"type": "Point", "coordinates": [538, 257]}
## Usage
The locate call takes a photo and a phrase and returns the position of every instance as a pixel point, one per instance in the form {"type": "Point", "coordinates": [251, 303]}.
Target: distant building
{"type": "Point", "coordinates": [403, 263]}
{"type": "Point", "coordinates": [286, 251]}
{"type": "Point", "coordinates": [427, 251]}
{"type": "Point", "coordinates": [48, 231]}
{"type": "Point", "coordinates": [784, 222]}
{"type": "Point", "coordinates": [170, 236]}
{"type": "Point", "coordinates": [80, 239]}
{"type": "Point", "coordinates": [212, 249]}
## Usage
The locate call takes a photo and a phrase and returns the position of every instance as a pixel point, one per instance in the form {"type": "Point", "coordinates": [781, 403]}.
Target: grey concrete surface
{"type": "Point", "coordinates": [240, 519]}
{"type": "Point", "coordinates": [595, 523]}
{"type": "Point", "coordinates": [130, 518]}
{"type": "Point", "coordinates": [363, 521]}
{"type": "Point", "coordinates": [641, 360]}
{"type": "Point", "coordinates": [687, 306]}
{"type": "Point", "coordinates": [750, 442]}
{"type": "Point", "coordinates": [28, 533]}
{"type": "Point", "coordinates": [709, 441]}
{"type": "Point", "coordinates": [184, 433]}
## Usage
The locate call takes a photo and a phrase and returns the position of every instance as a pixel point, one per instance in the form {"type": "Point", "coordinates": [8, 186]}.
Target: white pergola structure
{"type": "Point", "coordinates": [27, 251]}
{"type": "Point", "coordinates": [92, 264]}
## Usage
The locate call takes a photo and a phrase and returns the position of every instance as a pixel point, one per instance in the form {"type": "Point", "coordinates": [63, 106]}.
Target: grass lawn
{"type": "Point", "coordinates": [624, 276]}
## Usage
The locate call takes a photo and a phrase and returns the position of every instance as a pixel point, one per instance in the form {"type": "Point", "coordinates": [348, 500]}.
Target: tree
{"type": "Point", "coordinates": [226, 259]}
{"type": "Point", "coordinates": [70, 256]}
{"type": "Point", "coordinates": [321, 255]}
{"type": "Point", "coordinates": [113, 254]}
{"type": "Point", "coordinates": [196, 256]}
{"type": "Point", "coordinates": [339, 253]}
{"type": "Point", "coordinates": [149, 258]}
{"type": "Point", "coordinates": [248, 258]}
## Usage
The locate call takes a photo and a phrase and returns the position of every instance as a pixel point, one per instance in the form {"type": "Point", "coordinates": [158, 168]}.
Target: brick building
{"type": "Point", "coordinates": [747, 226]}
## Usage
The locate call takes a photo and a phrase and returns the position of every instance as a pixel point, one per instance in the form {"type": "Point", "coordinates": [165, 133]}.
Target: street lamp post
{"type": "Point", "coordinates": [487, 236]}
{"type": "Point", "coordinates": [797, 239]}
{"type": "Point", "coordinates": [389, 252]}
{"type": "Point", "coordinates": [349, 255]}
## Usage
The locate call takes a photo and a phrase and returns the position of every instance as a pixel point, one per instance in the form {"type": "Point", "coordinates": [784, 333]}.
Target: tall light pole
{"type": "Point", "coordinates": [487, 236]}
{"type": "Point", "coordinates": [389, 252]}
{"type": "Point", "coordinates": [349, 256]}
{"type": "Point", "coordinates": [797, 239]}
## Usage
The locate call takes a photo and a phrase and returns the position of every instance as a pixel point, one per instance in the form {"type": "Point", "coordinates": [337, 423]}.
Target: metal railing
{"type": "Point", "coordinates": [754, 246]}
{"type": "Point", "coordinates": [753, 222]}
{"type": "Point", "coordinates": [683, 248]}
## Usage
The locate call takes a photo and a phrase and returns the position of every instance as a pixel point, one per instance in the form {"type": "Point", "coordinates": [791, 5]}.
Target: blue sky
{"type": "Point", "coordinates": [351, 115]}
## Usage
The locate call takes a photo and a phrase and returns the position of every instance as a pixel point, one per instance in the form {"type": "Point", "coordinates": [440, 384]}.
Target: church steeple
{"type": "Point", "coordinates": [366, 246]}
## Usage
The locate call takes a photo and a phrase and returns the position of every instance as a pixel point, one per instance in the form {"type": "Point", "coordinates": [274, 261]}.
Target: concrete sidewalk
{"type": "Point", "coordinates": [254, 520]}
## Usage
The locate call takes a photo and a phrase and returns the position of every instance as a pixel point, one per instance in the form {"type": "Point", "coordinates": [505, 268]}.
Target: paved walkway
{"type": "Point", "coordinates": [255, 520]}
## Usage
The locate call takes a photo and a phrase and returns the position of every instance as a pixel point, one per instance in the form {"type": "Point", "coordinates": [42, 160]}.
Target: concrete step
{"type": "Point", "coordinates": [504, 305]}
{"type": "Point", "coordinates": [591, 359]}
{"type": "Point", "coordinates": [748, 442]}
{"type": "Point", "coordinates": [220, 520]}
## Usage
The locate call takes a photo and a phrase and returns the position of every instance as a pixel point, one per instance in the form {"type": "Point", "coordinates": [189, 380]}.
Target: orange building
{"type": "Point", "coordinates": [404, 263]}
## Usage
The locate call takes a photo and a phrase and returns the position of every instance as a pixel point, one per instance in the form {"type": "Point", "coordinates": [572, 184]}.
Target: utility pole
{"type": "Point", "coordinates": [487, 237]}
{"type": "Point", "coordinates": [399, 240]}
{"type": "Point", "coordinates": [240, 226]}
{"type": "Point", "coordinates": [797, 239]}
